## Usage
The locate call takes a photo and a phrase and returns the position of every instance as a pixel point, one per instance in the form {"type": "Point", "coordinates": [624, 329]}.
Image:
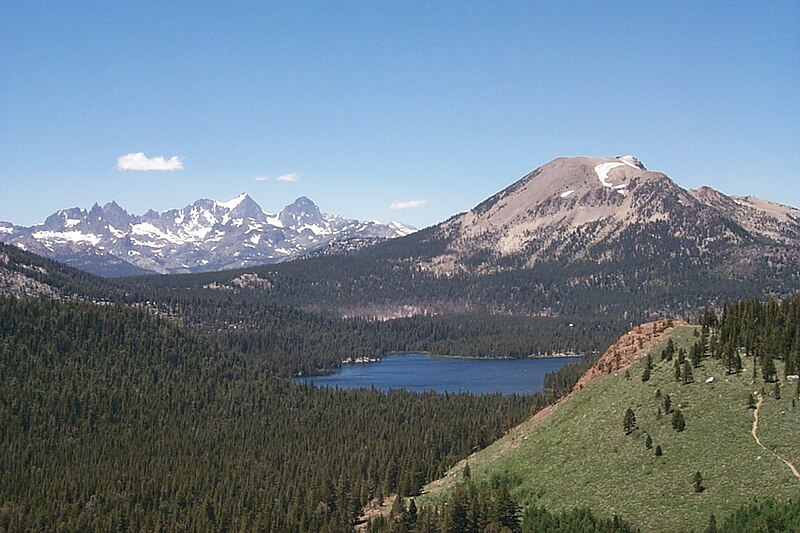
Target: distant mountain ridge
{"type": "Point", "coordinates": [577, 236]}
{"type": "Point", "coordinates": [207, 235]}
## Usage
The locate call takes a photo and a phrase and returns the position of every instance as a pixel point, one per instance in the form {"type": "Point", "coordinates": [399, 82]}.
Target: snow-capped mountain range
{"type": "Point", "coordinates": [204, 236]}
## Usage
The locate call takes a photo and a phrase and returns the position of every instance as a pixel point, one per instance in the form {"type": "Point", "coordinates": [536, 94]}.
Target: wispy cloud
{"type": "Point", "coordinates": [409, 204]}
{"type": "Point", "coordinates": [291, 176]}
{"type": "Point", "coordinates": [261, 178]}
{"type": "Point", "coordinates": [139, 161]}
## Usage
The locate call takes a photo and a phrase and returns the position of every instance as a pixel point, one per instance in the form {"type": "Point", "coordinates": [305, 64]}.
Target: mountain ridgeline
{"type": "Point", "coordinates": [205, 236]}
{"type": "Point", "coordinates": [577, 236]}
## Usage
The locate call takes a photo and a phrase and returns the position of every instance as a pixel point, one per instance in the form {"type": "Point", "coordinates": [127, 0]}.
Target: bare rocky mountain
{"type": "Point", "coordinates": [205, 236]}
{"type": "Point", "coordinates": [607, 209]}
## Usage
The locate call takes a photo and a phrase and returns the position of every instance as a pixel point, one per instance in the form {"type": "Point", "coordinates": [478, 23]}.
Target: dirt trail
{"type": "Point", "coordinates": [754, 432]}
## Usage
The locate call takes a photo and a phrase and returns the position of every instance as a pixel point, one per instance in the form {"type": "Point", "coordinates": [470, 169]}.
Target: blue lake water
{"type": "Point", "coordinates": [419, 373]}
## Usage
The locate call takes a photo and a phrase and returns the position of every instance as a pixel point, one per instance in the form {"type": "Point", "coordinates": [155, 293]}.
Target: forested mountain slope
{"type": "Point", "coordinates": [114, 420]}
{"type": "Point", "coordinates": [292, 341]}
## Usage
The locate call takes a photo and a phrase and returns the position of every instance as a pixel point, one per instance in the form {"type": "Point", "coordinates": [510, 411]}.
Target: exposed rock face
{"type": "Point", "coordinates": [205, 236]}
{"type": "Point", "coordinates": [605, 209]}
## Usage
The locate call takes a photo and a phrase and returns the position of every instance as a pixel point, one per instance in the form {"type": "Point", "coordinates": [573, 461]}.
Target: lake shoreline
{"type": "Point", "coordinates": [423, 372]}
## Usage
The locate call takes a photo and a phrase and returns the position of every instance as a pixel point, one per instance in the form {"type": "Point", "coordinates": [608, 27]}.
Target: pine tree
{"type": "Point", "coordinates": [697, 482]}
{"type": "Point", "coordinates": [777, 390]}
{"type": "Point", "coordinates": [659, 453]}
{"type": "Point", "coordinates": [696, 354]}
{"type": "Point", "coordinates": [737, 362]}
{"type": "Point", "coordinates": [646, 374]}
{"type": "Point", "coordinates": [629, 421]}
{"type": "Point", "coordinates": [751, 402]}
{"type": "Point", "coordinates": [670, 349]}
{"type": "Point", "coordinates": [467, 473]}
{"type": "Point", "coordinates": [667, 404]}
{"type": "Point", "coordinates": [678, 422]}
{"type": "Point", "coordinates": [768, 371]}
{"type": "Point", "coordinates": [412, 512]}
{"type": "Point", "coordinates": [648, 443]}
{"type": "Point", "coordinates": [688, 377]}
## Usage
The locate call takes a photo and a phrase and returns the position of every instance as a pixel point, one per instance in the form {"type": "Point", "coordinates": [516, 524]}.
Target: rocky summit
{"type": "Point", "coordinates": [613, 209]}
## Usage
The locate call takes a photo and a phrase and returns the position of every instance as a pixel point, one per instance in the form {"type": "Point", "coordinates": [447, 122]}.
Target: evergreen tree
{"type": "Point", "coordinates": [777, 390]}
{"type": "Point", "coordinates": [697, 482]}
{"type": "Point", "coordinates": [506, 511]}
{"type": "Point", "coordinates": [768, 371]}
{"type": "Point", "coordinates": [667, 404]}
{"type": "Point", "coordinates": [751, 402]}
{"type": "Point", "coordinates": [688, 377]}
{"type": "Point", "coordinates": [678, 422]}
{"type": "Point", "coordinates": [648, 443]}
{"type": "Point", "coordinates": [398, 515]}
{"type": "Point", "coordinates": [412, 512]}
{"type": "Point", "coordinates": [669, 351]}
{"type": "Point", "coordinates": [646, 374]}
{"type": "Point", "coordinates": [696, 355]}
{"type": "Point", "coordinates": [629, 421]}
{"type": "Point", "coordinates": [659, 453]}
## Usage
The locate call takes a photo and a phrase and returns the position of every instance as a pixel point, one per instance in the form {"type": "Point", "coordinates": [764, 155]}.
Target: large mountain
{"type": "Point", "coordinates": [205, 236]}
{"type": "Point", "coordinates": [614, 209]}
{"type": "Point", "coordinates": [577, 236]}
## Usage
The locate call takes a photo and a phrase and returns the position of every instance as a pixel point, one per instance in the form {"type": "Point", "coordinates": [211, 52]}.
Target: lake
{"type": "Point", "coordinates": [420, 372]}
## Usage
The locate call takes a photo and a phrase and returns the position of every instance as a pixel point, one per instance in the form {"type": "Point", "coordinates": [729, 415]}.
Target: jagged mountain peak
{"type": "Point", "coordinates": [205, 235]}
{"type": "Point", "coordinates": [302, 212]}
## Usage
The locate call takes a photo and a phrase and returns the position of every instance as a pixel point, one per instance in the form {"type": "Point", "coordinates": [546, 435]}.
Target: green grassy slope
{"type": "Point", "coordinates": [580, 456]}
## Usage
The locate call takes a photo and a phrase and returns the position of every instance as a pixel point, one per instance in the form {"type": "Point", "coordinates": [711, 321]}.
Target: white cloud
{"type": "Point", "coordinates": [139, 161]}
{"type": "Point", "coordinates": [261, 178]}
{"type": "Point", "coordinates": [409, 204]}
{"type": "Point", "coordinates": [291, 176]}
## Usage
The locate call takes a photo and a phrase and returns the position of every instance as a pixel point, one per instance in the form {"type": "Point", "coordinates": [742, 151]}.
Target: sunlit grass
{"type": "Point", "coordinates": [580, 456]}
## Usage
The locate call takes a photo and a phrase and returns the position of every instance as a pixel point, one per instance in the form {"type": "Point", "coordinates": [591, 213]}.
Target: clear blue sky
{"type": "Point", "coordinates": [372, 103]}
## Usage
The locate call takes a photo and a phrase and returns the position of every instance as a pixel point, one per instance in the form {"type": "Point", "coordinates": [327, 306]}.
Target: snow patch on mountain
{"type": "Point", "coordinates": [67, 236]}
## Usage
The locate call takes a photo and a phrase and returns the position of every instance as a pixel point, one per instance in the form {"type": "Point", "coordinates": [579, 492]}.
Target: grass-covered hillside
{"type": "Point", "coordinates": [579, 455]}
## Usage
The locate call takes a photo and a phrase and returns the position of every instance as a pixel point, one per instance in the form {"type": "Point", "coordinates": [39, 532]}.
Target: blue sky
{"type": "Point", "coordinates": [435, 105]}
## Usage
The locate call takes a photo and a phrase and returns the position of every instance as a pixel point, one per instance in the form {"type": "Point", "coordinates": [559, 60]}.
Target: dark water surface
{"type": "Point", "coordinates": [419, 372]}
